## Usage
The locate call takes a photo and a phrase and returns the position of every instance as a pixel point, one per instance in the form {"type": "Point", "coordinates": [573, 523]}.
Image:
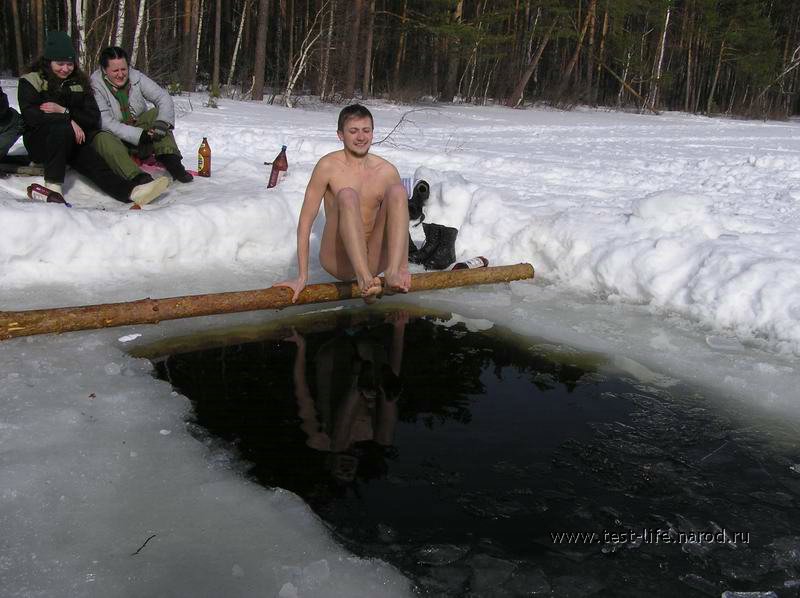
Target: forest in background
{"type": "Point", "coordinates": [736, 57]}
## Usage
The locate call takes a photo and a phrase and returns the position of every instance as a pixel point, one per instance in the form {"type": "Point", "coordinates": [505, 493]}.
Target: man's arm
{"type": "Point", "coordinates": [308, 213]}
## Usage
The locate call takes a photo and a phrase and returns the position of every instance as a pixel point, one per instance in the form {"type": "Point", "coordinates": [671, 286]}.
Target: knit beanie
{"type": "Point", "coordinates": [59, 47]}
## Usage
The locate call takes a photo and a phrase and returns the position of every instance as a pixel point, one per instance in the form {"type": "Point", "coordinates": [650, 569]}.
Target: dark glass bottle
{"type": "Point", "coordinates": [37, 191]}
{"type": "Point", "coordinates": [279, 164]}
{"type": "Point", "coordinates": [204, 159]}
{"type": "Point", "coordinates": [473, 262]}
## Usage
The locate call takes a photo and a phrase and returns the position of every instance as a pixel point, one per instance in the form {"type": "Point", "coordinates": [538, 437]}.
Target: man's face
{"type": "Point", "coordinates": [357, 135]}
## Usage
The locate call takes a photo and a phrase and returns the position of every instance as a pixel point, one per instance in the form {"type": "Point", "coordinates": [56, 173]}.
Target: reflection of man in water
{"type": "Point", "coordinates": [354, 413]}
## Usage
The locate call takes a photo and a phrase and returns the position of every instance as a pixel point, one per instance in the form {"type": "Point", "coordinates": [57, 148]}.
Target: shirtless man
{"type": "Point", "coordinates": [366, 214]}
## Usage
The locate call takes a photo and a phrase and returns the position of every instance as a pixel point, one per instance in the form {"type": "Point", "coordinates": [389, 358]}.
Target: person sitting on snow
{"type": "Point", "coordinates": [61, 117]}
{"type": "Point", "coordinates": [10, 125]}
{"type": "Point", "coordinates": [129, 125]}
{"type": "Point", "coordinates": [366, 214]}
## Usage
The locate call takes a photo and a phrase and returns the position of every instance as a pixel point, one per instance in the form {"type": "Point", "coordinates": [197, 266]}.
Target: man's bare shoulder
{"type": "Point", "coordinates": [330, 160]}
{"type": "Point", "coordinates": [382, 165]}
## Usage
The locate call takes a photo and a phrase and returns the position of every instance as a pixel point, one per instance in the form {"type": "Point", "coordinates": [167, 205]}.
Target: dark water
{"type": "Point", "coordinates": [465, 458]}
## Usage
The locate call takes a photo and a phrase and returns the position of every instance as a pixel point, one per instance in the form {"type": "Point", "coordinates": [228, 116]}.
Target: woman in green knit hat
{"type": "Point", "coordinates": [61, 118]}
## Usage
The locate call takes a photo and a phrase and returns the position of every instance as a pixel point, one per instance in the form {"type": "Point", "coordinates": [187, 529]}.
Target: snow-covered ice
{"type": "Point", "coordinates": [670, 242]}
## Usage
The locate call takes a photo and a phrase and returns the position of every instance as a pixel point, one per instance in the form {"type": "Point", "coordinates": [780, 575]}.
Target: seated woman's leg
{"type": "Point", "coordinates": [51, 145]}
{"type": "Point", "coordinates": [10, 131]}
{"type": "Point", "coordinates": [165, 149]}
{"type": "Point", "coordinates": [89, 163]}
{"type": "Point", "coordinates": [117, 155]}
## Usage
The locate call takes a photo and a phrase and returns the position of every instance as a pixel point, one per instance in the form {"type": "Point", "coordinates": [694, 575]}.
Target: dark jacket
{"type": "Point", "coordinates": [3, 104]}
{"type": "Point", "coordinates": [35, 90]}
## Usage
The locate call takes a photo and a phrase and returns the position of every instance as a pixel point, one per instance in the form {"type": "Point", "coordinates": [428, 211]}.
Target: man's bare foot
{"type": "Point", "coordinates": [371, 290]}
{"type": "Point", "coordinates": [398, 282]}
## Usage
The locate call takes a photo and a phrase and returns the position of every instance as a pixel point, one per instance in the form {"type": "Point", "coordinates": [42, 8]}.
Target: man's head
{"type": "Point", "coordinates": [355, 129]}
{"type": "Point", "coordinates": [353, 111]}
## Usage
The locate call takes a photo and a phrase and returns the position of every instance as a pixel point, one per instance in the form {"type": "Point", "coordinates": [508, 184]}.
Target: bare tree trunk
{"type": "Point", "coordinates": [300, 63]}
{"type": "Point", "coordinates": [18, 37]}
{"type": "Point", "coordinates": [199, 35]}
{"type": "Point", "coordinates": [326, 56]}
{"type": "Point", "coordinates": [565, 77]}
{"type": "Point", "coordinates": [516, 96]}
{"type": "Point", "coordinates": [120, 30]}
{"type": "Point", "coordinates": [137, 35]}
{"type": "Point", "coordinates": [655, 84]}
{"type": "Point", "coordinates": [366, 85]}
{"type": "Point", "coordinates": [191, 50]}
{"type": "Point", "coordinates": [187, 47]}
{"type": "Point", "coordinates": [689, 66]}
{"type": "Point", "coordinates": [80, 18]}
{"type": "Point", "coordinates": [355, 35]}
{"type": "Point", "coordinates": [217, 44]}
{"type": "Point", "coordinates": [590, 57]}
{"type": "Point", "coordinates": [261, 51]}
{"type": "Point", "coordinates": [238, 43]}
{"type": "Point", "coordinates": [401, 48]}
{"type": "Point", "coordinates": [453, 58]}
{"type": "Point", "coordinates": [601, 54]}
{"type": "Point", "coordinates": [38, 8]}
{"type": "Point", "coordinates": [68, 26]}
{"type": "Point", "coordinates": [716, 78]}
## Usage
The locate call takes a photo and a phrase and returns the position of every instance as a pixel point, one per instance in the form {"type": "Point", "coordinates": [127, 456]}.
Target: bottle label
{"type": "Point", "coordinates": [36, 194]}
{"type": "Point", "coordinates": [203, 165]}
{"type": "Point", "coordinates": [473, 262]}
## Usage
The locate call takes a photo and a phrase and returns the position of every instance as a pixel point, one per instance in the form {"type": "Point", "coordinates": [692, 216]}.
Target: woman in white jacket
{"type": "Point", "coordinates": [130, 125]}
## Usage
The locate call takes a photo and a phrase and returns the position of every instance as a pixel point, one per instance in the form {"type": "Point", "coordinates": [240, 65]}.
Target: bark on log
{"type": "Point", "coordinates": [152, 311]}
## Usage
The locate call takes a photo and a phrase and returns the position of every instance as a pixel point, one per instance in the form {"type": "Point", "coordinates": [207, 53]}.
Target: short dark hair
{"type": "Point", "coordinates": [353, 111]}
{"type": "Point", "coordinates": [113, 53]}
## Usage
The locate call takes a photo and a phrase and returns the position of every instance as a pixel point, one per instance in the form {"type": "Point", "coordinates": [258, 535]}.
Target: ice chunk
{"type": "Point", "coordinates": [489, 572]}
{"type": "Point", "coordinates": [113, 369]}
{"type": "Point", "coordinates": [439, 554]}
{"type": "Point", "coordinates": [723, 343]}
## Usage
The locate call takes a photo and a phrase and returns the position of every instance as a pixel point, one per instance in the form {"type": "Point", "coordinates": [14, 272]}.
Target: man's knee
{"type": "Point", "coordinates": [347, 198]}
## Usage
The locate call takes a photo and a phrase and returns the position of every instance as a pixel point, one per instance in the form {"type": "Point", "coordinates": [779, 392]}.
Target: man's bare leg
{"type": "Point", "coordinates": [395, 247]}
{"type": "Point", "coordinates": [348, 227]}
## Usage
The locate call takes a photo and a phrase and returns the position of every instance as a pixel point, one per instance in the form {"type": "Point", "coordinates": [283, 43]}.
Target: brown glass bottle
{"type": "Point", "coordinates": [279, 164]}
{"type": "Point", "coordinates": [37, 191]}
{"type": "Point", "coordinates": [204, 159]}
{"type": "Point", "coordinates": [473, 262]}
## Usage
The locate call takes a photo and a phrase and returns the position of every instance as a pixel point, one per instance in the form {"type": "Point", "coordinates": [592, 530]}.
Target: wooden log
{"type": "Point", "coordinates": [21, 170]}
{"type": "Point", "coordinates": [152, 311]}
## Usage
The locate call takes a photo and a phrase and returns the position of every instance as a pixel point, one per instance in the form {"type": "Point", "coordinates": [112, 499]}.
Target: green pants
{"type": "Point", "coordinates": [117, 153]}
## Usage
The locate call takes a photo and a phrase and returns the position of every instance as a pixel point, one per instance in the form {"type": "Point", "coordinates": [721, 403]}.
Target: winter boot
{"type": "Point", "coordinates": [420, 194]}
{"type": "Point", "coordinates": [413, 251]}
{"type": "Point", "coordinates": [172, 163]}
{"type": "Point", "coordinates": [445, 252]}
{"type": "Point", "coordinates": [142, 195]}
{"type": "Point", "coordinates": [432, 235]}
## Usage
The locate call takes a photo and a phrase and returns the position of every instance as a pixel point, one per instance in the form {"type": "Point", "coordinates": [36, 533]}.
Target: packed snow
{"type": "Point", "coordinates": [670, 242]}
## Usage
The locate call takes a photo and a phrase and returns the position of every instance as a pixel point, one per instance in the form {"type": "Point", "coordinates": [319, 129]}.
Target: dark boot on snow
{"type": "Point", "coordinates": [413, 251]}
{"type": "Point", "coordinates": [432, 235]}
{"type": "Point", "coordinates": [172, 163]}
{"type": "Point", "coordinates": [419, 195]}
{"type": "Point", "coordinates": [445, 252]}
